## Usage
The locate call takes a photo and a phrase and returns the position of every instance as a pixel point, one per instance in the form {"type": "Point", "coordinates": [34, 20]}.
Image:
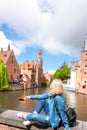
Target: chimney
{"type": "Point", "coordinates": [1, 49]}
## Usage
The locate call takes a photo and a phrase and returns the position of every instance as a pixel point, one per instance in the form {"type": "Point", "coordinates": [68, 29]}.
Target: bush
{"type": "Point", "coordinates": [4, 83]}
{"type": "Point", "coordinates": [63, 73]}
{"type": "Point", "coordinates": [45, 84]}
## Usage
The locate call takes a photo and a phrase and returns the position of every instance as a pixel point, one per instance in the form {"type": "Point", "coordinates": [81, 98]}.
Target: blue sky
{"type": "Point", "coordinates": [58, 27]}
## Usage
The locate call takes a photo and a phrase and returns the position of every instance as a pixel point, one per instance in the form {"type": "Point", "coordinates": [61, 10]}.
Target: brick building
{"type": "Point", "coordinates": [81, 72]}
{"type": "Point", "coordinates": [12, 66]}
{"type": "Point", "coordinates": [28, 69]}
{"type": "Point", "coordinates": [46, 77]}
{"type": "Point", "coordinates": [39, 68]}
{"type": "Point", "coordinates": [33, 70]}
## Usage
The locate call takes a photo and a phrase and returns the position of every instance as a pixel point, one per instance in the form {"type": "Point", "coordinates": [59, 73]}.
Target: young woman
{"type": "Point", "coordinates": [54, 107]}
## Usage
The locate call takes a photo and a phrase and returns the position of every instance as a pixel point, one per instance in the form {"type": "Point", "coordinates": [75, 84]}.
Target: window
{"type": "Point", "coordinates": [84, 86]}
{"type": "Point", "coordinates": [14, 70]}
{"type": "Point", "coordinates": [12, 61]}
{"type": "Point", "coordinates": [17, 71]}
{"type": "Point", "coordinates": [11, 77]}
{"type": "Point", "coordinates": [5, 55]}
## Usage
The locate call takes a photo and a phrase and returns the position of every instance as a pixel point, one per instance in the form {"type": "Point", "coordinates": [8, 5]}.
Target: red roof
{"type": "Point", "coordinates": [27, 65]}
{"type": "Point", "coordinates": [4, 55]}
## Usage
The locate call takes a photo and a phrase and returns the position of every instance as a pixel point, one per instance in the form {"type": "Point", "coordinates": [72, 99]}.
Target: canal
{"type": "Point", "coordinates": [9, 100]}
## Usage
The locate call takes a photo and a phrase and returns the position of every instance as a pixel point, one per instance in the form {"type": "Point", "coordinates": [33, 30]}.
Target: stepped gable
{"type": "Point", "coordinates": [5, 55]}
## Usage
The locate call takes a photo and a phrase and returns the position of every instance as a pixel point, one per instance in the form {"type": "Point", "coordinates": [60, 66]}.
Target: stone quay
{"type": "Point", "coordinates": [10, 121]}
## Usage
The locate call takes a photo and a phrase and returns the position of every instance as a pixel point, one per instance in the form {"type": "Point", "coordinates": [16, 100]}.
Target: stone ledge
{"type": "Point", "coordinates": [9, 117]}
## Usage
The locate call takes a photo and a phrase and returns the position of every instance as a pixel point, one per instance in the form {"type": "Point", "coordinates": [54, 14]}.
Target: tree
{"type": "Point", "coordinates": [4, 83]}
{"type": "Point", "coordinates": [63, 73]}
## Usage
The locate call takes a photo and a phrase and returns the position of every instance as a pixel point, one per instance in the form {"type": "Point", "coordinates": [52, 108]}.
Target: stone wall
{"type": "Point", "coordinates": [6, 127]}
{"type": "Point", "coordinates": [10, 121]}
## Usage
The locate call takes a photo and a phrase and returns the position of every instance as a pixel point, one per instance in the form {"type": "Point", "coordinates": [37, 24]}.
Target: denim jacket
{"type": "Point", "coordinates": [56, 108]}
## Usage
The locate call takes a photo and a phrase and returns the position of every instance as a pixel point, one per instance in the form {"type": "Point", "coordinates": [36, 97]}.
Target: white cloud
{"type": "Point", "coordinates": [51, 71]}
{"type": "Point", "coordinates": [58, 26]}
{"type": "Point", "coordinates": [4, 41]}
{"type": "Point", "coordinates": [4, 44]}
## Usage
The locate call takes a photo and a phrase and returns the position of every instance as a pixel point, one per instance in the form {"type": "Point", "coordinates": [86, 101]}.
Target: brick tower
{"type": "Point", "coordinates": [81, 73]}
{"type": "Point", "coordinates": [39, 69]}
{"type": "Point", "coordinates": [84, 67]}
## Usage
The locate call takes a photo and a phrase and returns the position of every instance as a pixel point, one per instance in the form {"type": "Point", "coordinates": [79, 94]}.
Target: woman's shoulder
{"type": "Point", "coordinates": [59, 97]}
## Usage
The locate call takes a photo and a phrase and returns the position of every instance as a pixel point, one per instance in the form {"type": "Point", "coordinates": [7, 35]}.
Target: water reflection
{"type": "Point", "coordinates": [79, 102]}
{"type": "Point", "coordinates": [8, 100]}
{"type": "Point", "coordinates": [81, 106]}
{"type": "Point", "coordinates": [70, 98]}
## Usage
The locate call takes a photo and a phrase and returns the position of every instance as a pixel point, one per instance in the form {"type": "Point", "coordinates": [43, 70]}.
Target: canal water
{"type": "Point", "coordinates": [9, 100]}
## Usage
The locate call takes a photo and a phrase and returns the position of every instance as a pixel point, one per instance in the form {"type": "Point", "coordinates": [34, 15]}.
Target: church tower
{"type": "Point", "coordinates": [8, 47]}
{"type": "Point", "coordinates": [81, 70]}
{"type": "Point", "coordinates": [39, 69]}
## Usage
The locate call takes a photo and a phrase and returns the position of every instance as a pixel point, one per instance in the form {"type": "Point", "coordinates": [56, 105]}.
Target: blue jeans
{"type": "Point", "coordinates": [42, 104]}
{"type": "Point", "coordinates": [42, 118]}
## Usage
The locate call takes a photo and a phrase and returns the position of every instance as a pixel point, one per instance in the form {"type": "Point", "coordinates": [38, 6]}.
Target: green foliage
{"type": "Point", "coordinates": [63, 73]}
{"type": "Point", "coordinates": [4, 83]}
{"type": "Point", "coordinates": [45, 84]}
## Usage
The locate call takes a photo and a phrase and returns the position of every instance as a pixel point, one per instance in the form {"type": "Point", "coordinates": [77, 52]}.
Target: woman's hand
{"type": "Point", "coordinates": [26, 98]}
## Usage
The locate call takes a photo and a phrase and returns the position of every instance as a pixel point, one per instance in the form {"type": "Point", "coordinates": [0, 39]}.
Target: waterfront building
{"type": "Point", "coordinates": [12, 66]}
{"type": "Point", "coordinates": [39, 68]}
{"type": "Point", "coordinates": [30, 70]}
{"type": "Point", "coordinates": [46, 77]}
{"type": "Point", "coordinates": [80, 72]}
{"type": "Point", "coordinates": [33, 71]}
{"type": "Point", "coordinates": [71, 83]}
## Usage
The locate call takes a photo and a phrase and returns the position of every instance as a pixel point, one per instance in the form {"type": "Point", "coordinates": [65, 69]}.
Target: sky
{"type": "Point", "coordinates": [58, 27]}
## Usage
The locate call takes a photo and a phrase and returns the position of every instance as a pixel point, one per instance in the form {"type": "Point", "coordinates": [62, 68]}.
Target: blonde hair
{"type": "Point", "coordinates": [56, 87]}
